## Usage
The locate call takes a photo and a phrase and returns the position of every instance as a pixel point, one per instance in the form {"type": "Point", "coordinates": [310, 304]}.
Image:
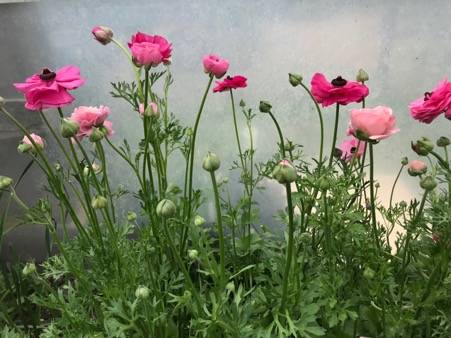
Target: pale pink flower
{"type": "Point", "coordinates": [372, 123]}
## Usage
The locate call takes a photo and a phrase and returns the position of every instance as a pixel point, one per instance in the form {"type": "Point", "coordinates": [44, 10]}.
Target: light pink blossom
{"type": "Point", "coordinates": [372, 123]}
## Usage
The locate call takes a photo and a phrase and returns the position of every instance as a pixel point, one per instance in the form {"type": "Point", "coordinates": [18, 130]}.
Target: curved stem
{"type": "Point", "coordinates": [286, 274]}
{"type": "Point", "coordinates": [373, 197]}
{"type": "Point", "coordinates": [394, 185]}
{"type": "Point", "coordinates": [279, 131]}
{"type": "Point", "coordinates": [220, 228]}
{"type": "Point", "coordinates": [334, 140]}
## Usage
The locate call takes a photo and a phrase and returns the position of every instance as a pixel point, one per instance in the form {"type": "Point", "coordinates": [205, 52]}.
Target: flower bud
{"type": "Point", "coordinates": [5, 182]}
{"type": "Point", "coordinates": [295, 79]}
{"type": "Point", "coordinates": [69, 128]}
{"type": "Point", "coordinates": [172, 189]}
{"type": "Point", "coordinates": [403, 204]}
{"type": "Point", "coordinates": [265, 107]}
{"type": "Point", "coordinates": [131, 216]}
{"type": "Point", "coordinates": [142, 292]}
{"type": "Point", "coordinates": [230, 286]}
{"type": "Point", "coordinates": [199, 220]}
{"type": "Point", "coordinates": [99, 202]}
{"type": "Point", "coordinates": [166, 208]}
{"type": "Point", "coordinates": [27, 145]}
{"type": "Point", "coordinates": [189, 132]}
{"type": "Point", "coordinates": [2, 101]}
{"type": "Point", "coordinates": [377, 185]}
{"type": "Point", "coordinates": [29, 269]}
{"type": "Point", "coordinates": [369, 273]}
{"type": "Point", "coordinates": [305, 237]}
{"type": "Point", "coordinates": [428, 183]}
{"type": "Point", "coordinates": [362, 76]}
{"type": "Point", "coordinates": [96, 135]}
{"type": "Point", "coordinates": [284, 172]}
{"type": "Point", "coordinates": [211, 162]}
{"type": "Point", "coordinates": [242, 103]}
{"type": "Point", "coordinates": [404, 160]}
{"type": "Point", "coordinates": [417, 168]}
{"type": "Point", "coordinates": [102, 34]}
{"type": "Point", "coordinates": [423, 146]}
{"type": "Point", "coordinates": [193, 254]}
{"type": "Point", "coordinates": [443, 141]}
{"type": "Point", "coordinates": [24, 148]}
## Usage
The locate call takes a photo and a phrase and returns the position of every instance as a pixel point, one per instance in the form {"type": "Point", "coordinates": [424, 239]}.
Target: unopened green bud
{"type": "Point", "coordinates": [423, 146]}
{"type": "Point", "coordinates": [24, 148]}
{"type": "Point", "coordinates": [199, 221]}
{"type": "Point", "coordinates": [96, 135]}
{"type": "Point", "coordinates": [377, 185]}
{"type": "Point", "coordinates": [131, 216]}
{"type": "Point", "coordinates": [404, 160]}
{"type": "Point", "coordinates": [142, 292]}
{"type": "Point", "coordinates": [211, 162]}
{"type": "Point", "coordinates": [189, 132]}
{"type": "Point", "coordinates": [417, 168]}
{"type": "Point", "coordinates": [369, 273]}
{"type": "Point", "coordinates": [5, 182]}
{"type": "Point", "coordinates": [242, 103]}
{"type": "Point", "coordinates": [288, 146]}
{"type": "Point", "coordinates": [69, 128]}
{"type": "Point", "coordinates": [284, 172]}
{"type": "Point", "coordinates": [443, 141]}
{"type": "Point", "coordinates": [428, 183]}
{"type": "Point", "coordinates": [193, 254]}
{"type": "Point", "coordinates": [99, 202]}
{"type": "Point", "coordinates": [166, 208]}
{"type": "Point", "coordinates": [403, 204]}
{"type": "Point", "coordinates": [265, 106]}
{"type": "Point", "coordinates": [230, 286]}
{"type": "Point", "coordinates": [295, 79]}
{"type": "Point", "coordinates": [362, 76]}
{"type": "Point", "coordinates": [29, 269]}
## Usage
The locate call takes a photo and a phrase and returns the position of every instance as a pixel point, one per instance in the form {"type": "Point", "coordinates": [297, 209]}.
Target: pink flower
{"type": "Point", "coordinates": [427, 108]}
{"type": "Point", "coordinates": [417, 167]}
{"type": "Point", "coordinates": [150, 50]}
{"type": "Point", "coordinates": [349, 148]}
{"type": "Point", "coordinates": [337, 91]}
{"type": "Point", "coordinates": [91, 117]}
{"type": "Point", "coordinates": [38, 140]}
{"type": "Point", "coordinates": [234, 82]}
{"type": "Point", "coordinates": [153, 109]}
{"type": "Point", "coordinates": [102, 34]}
{"type": "Point", "coordinates": [372, 123]}
{"type": "Point", "coordinates": [50, 89]}
{"type": "Point", "coordinates": [213, 64]}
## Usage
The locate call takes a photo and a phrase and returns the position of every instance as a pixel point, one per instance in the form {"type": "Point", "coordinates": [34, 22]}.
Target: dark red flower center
{"type": "Point", "coordinates": [47, 75]}
{"type": "Point", "coordinates": [427, 96]}
{"type": "Point", "coordinates": [339, 82]}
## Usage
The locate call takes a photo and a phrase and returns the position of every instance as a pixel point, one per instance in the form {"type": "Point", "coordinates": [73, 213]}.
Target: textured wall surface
{"type": "Point", "coordinates": [405, 46]}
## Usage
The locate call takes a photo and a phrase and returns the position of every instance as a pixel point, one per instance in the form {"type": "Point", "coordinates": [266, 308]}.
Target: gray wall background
{"type": "Point", "coordinates": [405, 46]}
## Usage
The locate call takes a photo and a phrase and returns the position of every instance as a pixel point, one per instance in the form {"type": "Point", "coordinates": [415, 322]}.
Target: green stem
{"type": "Point", "coordinates": [220, 228]}
{"type": "Point", "coordinates": [286, 274]}
{"type": "Point", "coordinates": [334, 140]}
{"type": "Point", "coordinates": [279, 131]}
{"type": "Point", "coordinates": [394, 185]}
{"type": "Point", "coordinates": [373, 197]}
{"type": "Point", "coordinates": [105, 179]}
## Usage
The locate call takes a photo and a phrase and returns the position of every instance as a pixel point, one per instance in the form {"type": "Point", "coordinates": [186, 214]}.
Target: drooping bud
{"type": "Point", "coordinates": [423, 146]}
{"type": "Point", "coordinates": [96, 135]}
{"type": "Point", "coordinates": [131, 216]}
{"type": "Point", "coordinates": [142, 292]}
{"type": "Point", "coordinates": [69, 128]}
{"type": "Point", "coordinates": [443, 141]}
{"type": "Point", "coordinates": [193, 254]}
{"type": "Point", "coordinates": [264, 106]}
{"type": "Point", "coordinates": [403, 204]}
{"type": "Point", "coordinates": [99, 202]}
{"type": "Point", "coordinates": [102, 34]}
{"type": "Point", "coordinates": [166, 208]}
{"type": "Point", "coordinates": [295, 79]}
{"type": "Point", "coordinates": [5, 182]}
{"type": "Point", "coordinates": [362, 76]}
{"type": "Point", "coordinates": [428, 183]}
{"type": "Point", "coordinates": [284, 172]}
{"type": "Point", "coordinates": [211, 162]}
{"type": "Point", "coordinates": [417, 168]}
{"type": "Point", "coordinates": [199, 220]}
{"type": "Point", "coordinates": [29, 269]}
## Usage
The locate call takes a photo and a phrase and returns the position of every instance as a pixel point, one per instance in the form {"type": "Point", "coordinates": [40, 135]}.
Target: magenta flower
{"type": "Point", "coordinates": [215, 65]}
{"type": "Point", "coordinates": [150, 50]}
{"type": "Point", "coordinates": [50, 89]}
{"type": "Point", "coordinates": [352, 147]}
{"type": "Point", "coordinates": [428, 108]}
{"type": "Point", "coordinates": [89, 118]}
{"type": "Point", "coordinates": [372, 123]}
{"type": "Point", "coordinates": [338, 90]}
{"type": "Point", "coordinates": [229, 82]}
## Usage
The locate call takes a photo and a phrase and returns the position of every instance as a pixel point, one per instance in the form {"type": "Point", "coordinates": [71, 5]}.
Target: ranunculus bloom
{"type": "Point", "coordinates": [349, 148]}
{"type": "Point", "coordinates": [50, 89]}
{"type": "Point", "coordinates": [215, 65]}
{"type": "Point", "coordinates": [91, 117]}
{"type": "Point", "coordinates": [372, 123]}
{"type": "Point", "coordinates": [229, 82]}
{"type": "Point", "coordinates": [338, 90]}
{"type": "Point", "coordinates": [102, 34]}
{"type": "Point", "coordinates": [427, 108]}
{"type": "Point", "coordinates": [150, 50]}
{"type": "Point", "coordinates": [38, 140]}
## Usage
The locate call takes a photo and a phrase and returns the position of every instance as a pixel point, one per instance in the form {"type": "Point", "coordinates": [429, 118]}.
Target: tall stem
{"type": "Point", "coordinates": [334, 140]}
{"type": "Point", "coordinates": [279, 131]}
{"type": "Point", "coordinates": [220, 228]}
{"type": "Point", "coordinates": [286, 274]}
{"type": "Point", "coordinates": [394, 185]}
{"type": "Point", "coordinates": [373, 197]}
